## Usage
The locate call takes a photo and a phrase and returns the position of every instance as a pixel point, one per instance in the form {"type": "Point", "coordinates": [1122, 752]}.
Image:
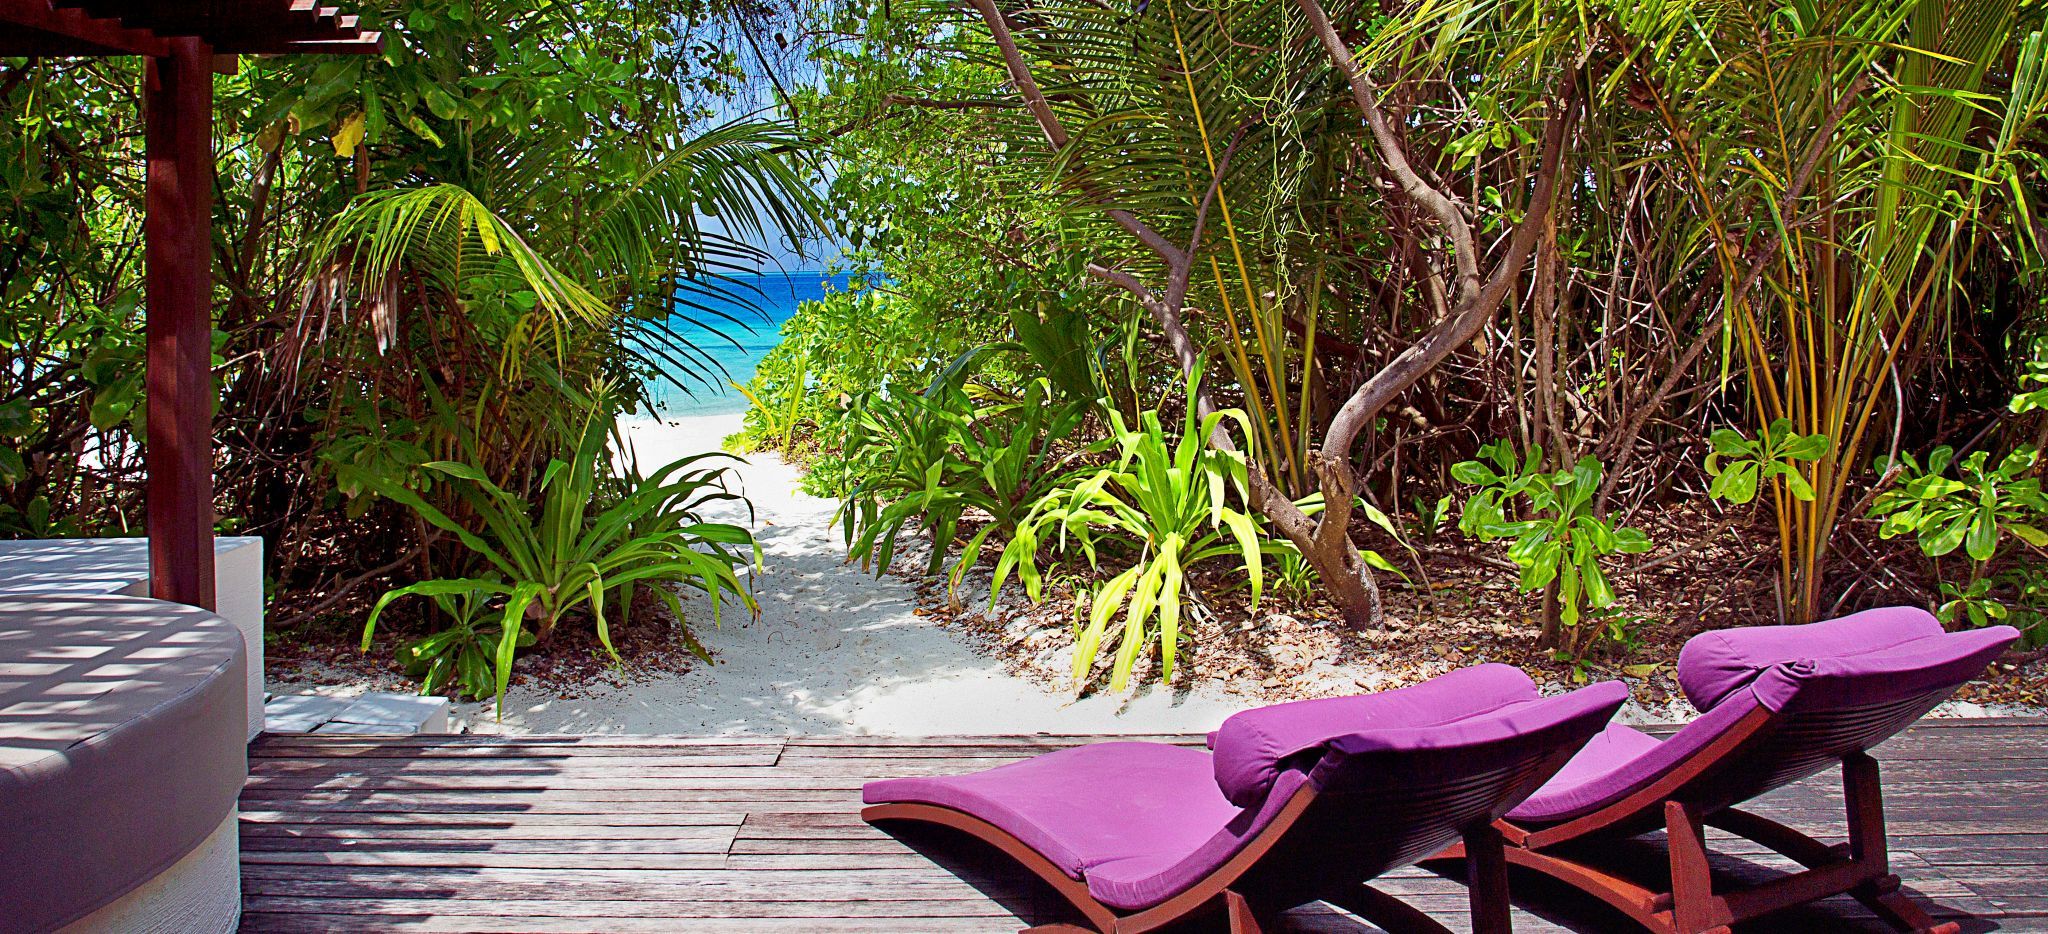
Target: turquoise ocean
{"type": "Point", "coordinates": [737, 347]}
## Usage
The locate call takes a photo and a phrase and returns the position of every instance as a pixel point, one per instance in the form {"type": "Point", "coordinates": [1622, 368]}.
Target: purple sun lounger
{"type": "Point", "coordinates": [1298, 802]}
{"type": "Point", "coordinates": [1779, 704]}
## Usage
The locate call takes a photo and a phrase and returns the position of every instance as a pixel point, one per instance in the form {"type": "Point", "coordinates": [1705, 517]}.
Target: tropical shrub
{"type": "Point", "coordinates": [510, 201]}
{"type": "Point", "coordinates": [940, 457]}
{"type": "Point", "coordinates": [1741, 465]}
{"type": "Point", "coordinates": [1557, 539]}
{"type": "Point", "coordinates": [1982, 511]}
{"type": "Point", "coordinates": [835, 351]}
{"type": "Point", "coordinates": [1166, 504]}
{"type": "Point", "coordinates": [1900, 129]}
{"type": "Point", "coordinates": [2025, 601]}
{"type": "Point", "coordinates": [900, 456]}
{"type": "Point", "coordinates": [1975, 510]}
{"type": "Point", "coordinates": [461, 659]}
{"type": "Point", "coordinates": [1862, 272]}
{"type": "Point", "coordinates": [582, 546]}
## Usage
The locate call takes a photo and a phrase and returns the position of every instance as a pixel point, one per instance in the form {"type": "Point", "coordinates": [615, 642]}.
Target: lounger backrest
{"type": "Point", "coordinates": [1391, 796]}
{"type": "Point", "coordinates": [1832, 688]}
{"type": "Point", "coordinates": [1253, 748]}
{"type": "Point", "coordinates": [1875, 657]}
{"type": "Point", "coordinates": [1806, 696]}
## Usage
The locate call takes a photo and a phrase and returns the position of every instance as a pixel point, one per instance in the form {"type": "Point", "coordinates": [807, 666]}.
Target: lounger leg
{"type": "Point", "coordinates": [1249, 917]}
{"type": "Point", "coordinates": [1486, 875]}
{"type": "Point", "coordinates": [1864, 793]}
{"type": "Point", "coordinates": [1692, 881]}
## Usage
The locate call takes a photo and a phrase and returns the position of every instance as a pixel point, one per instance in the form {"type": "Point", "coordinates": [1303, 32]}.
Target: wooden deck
{"type": "Point", "coordinates": [618, 834]}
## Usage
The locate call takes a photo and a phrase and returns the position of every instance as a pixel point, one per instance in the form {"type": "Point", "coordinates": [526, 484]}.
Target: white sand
{"type": "Point", "coordinates": [835, 650]}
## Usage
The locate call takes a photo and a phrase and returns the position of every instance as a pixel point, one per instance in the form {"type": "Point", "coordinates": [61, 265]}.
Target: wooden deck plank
{"type": "Point", "coordinates": [762, 835]}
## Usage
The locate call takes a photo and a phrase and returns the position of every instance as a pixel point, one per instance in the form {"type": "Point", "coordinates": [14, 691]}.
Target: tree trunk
{"type": "Point", "coordinates": [1553, 619]}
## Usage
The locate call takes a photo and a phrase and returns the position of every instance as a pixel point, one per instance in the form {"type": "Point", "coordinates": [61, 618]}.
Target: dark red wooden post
{"type": "Point", "coordinates": [178, 256]}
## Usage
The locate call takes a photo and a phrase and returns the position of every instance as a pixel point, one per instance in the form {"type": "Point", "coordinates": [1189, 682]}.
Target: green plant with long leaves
{"type": "Point", "coordinates": [583, 544]}
{"type": "Point", "coordinates": [460, 657]}
{"type": "Point", "coordinates": [1845, 160]}
{"type": "Point", "coordinates": [903, 446]}
{"type": "Point", "coordinates": [1167, 504]}
{"type": "Point", "coordinates": [944, 457]}
{"type": "Point", "coordinates": [1557, 539]}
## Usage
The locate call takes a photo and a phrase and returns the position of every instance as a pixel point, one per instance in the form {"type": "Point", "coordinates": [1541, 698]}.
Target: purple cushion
{"type": "Point", "coordinates": [1881, 656]}
{"type": "Point", "coordinates": [1614, 748]}
{"type": "Point", "coordinates": [1621, 761]}
{"type": "Point", "coordinates": [1715, 664]}
{"type": "Point", "coordinates": [1139, 821]}
{"type": "Point", "coordinates": [1886, 653]}
{"type": "Point", "coordinates": [1143, 879]}
{"type": "Point", "coordinates": [1254, 747]}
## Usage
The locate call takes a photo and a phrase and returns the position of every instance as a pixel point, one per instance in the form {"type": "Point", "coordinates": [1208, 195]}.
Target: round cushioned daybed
{"type": "Point", "coordinates": [122, 751]}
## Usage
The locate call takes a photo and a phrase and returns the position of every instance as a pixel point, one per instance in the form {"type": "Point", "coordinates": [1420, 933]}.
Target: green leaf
{"type": "Point", "coordinates": [1729, 442]}
{"type": "Point", "coordinates": [1736, 484]}
{"type": "Point", "coordinates": [1946, 538]}
{"type": "Point", "coordinates": [1473, 472]}
{"type": "Point", "coordinates": [1795, 483]}
{"type": "Point", "coordinates": [2029, 534]}
{"type": "Point", "coordinates": [1982, 541]}
{"type": "Point", "coordinates": [1806, 447]}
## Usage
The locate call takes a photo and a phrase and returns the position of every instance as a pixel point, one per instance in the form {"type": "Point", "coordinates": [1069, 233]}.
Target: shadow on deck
{"type": "Point", "coordinates": [619, 834]}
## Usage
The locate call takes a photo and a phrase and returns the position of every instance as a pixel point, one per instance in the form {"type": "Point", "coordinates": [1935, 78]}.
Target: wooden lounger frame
{"type": "Point", "coordinates": [1248, 891]}
{"type": "Point", "coordinates": [1761, 751]}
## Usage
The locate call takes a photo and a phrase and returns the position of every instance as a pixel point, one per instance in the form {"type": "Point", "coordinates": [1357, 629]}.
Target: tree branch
{"type": "Point", "coordinates": [1056, 133]}
{"type": "Point", "coordinates": [1394, 157]}
{"type": "Point", "coordinates": [1467, 317]}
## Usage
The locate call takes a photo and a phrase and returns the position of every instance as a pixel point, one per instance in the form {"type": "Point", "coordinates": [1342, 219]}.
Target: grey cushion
{"type": "Point", "coordinates": [122, 746]}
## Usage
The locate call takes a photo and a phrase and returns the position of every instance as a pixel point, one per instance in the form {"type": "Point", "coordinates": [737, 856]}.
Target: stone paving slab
{"type": "Point", "coordinates": [375, 713]}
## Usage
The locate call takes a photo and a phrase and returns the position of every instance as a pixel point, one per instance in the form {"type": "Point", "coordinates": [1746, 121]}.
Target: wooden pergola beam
{"type": "Point", "coordinates": [36, 27]}
{"type": "Point", "coordinates": [255, 27]}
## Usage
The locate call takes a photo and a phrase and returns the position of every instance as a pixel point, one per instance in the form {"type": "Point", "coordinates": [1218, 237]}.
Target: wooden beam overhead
{"type": "Point", "coordinates": [140, 27]}
{"type": "Point", "coordinates": [38, 28]}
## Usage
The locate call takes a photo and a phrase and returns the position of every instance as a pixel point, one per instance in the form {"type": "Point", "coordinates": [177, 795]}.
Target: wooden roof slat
{"type": "Point", "coordinates": [370, 43]}
{"type": "Point", "coordinates": [45, 29]}
{"type": "Point", "coordinates": [139, 27]}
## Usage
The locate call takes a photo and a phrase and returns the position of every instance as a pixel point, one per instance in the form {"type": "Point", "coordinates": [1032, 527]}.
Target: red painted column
{"type": "Point", "coordinates": [177, 101]}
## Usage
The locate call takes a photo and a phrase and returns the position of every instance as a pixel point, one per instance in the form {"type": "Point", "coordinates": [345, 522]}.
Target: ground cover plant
{"type": "Point", "coordinates": [593, 541]}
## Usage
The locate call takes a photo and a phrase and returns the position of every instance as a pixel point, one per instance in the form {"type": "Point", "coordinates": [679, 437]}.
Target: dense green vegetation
{"type": "Point", "coordinates": [1164, 302]}
{"type": "Point", "coordinates": [1573, 271]}
{"type": "Point", "coordinates": [436, 271]}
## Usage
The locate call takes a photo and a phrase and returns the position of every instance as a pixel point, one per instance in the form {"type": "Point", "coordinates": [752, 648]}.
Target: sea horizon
{"type": "Point", "coordinates": [737, 345]}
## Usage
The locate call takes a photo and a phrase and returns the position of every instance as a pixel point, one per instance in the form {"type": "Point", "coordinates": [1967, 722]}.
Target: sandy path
{"type": "Point", "coordinates": [835, 650]}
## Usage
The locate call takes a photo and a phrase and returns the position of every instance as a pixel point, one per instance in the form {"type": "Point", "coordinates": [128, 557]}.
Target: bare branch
{"type": "Point", "coordinates": [1393, 155]}
{"type": "Point", "coordinates": [1056, 133]}
{"type": "Point", "coordinates": [1467, 317]}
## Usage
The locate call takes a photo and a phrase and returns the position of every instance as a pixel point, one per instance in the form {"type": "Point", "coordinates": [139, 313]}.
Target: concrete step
{"type": "Point", "coordinates": [373, 713]}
